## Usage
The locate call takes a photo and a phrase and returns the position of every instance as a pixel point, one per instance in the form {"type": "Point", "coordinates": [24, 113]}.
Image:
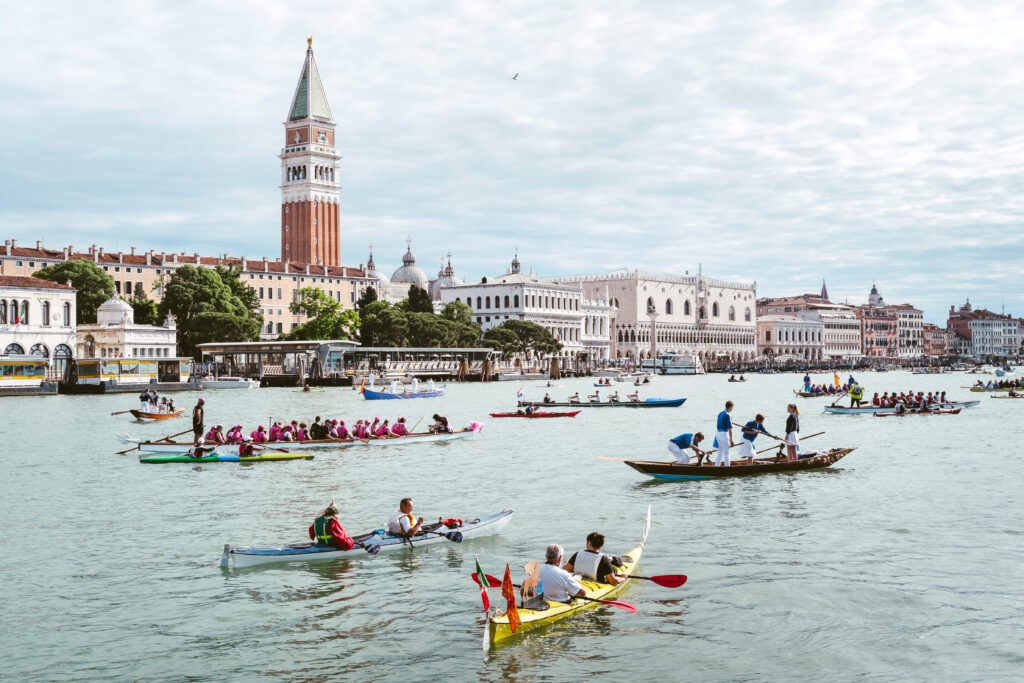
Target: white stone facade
{"type": "Point", "coordinates": [995, 337]}
{"type": "Point", "coordinates": [115, 335]}
{"type": "Point", "coordinates": [37, 317]}
{"type": "Point", "coordinates": [712, 319]}
{"type": "Point", "coordinates": [789, 337]}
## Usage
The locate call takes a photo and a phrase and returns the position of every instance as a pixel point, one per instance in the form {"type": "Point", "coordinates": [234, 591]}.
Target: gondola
{"type": "Point", "coordinates": [667, 471]}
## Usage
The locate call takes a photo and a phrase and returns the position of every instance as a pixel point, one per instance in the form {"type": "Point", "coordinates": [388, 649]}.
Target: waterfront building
{"type": "Point", "coordinates": [559, 307]}
{"type": "Point", "coordinates": [676, 315]}
{"type": "Point", "coordinates": [891, 330]}
{"type": "Point", "coordinates": [937, 342]}
{"type": "Point", "coordinates": [116, 335]}
{"type": "Point", "coordinates": [790, 338]}
{"type": "Point", "coordinates": [840, 326]}
{"type": "Point", "coordinates": [37, 318]}
{"type": "Point", "coordinates": [997, 330]}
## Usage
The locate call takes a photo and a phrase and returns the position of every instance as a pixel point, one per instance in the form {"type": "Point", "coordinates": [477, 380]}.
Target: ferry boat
{"type": "Point", "coordinates": [112, 375]}
{"type": "Point", "coordinates": [22, 375]}
{"type": "Point", "coordinates": [675, 364]}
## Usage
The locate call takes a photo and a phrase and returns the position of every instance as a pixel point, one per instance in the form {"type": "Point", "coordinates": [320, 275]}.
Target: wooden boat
{"type": "Point", "coordinates": [141, 415]}
{"type": "Point", "coordinates": [497, 629]}
{"type": "Point", "coordinates": [646, 403]}
{"type": "Point", "coordinates": [736, 380]}
{"type": "Point", "coordinates": [241, 557]}
{"type": "Point", "coordinates": [809, 394]}
{"type": "Point", "coordinates": [995, 389]}
{"type": "Point", "coordinates": [572, 413]}
{"type": "Point", "coordinates": [153, 459]}
{"type": "Point", "coordinates": [668, 471]}
{"type": "Point", "coordinates": [371, 395]}
{"type": "Point", "coordinates": [1022, 396]}
{"type": "Point", "coordinates": [949, 411]}
{"type": "Point", "coordinates": [868, 410]}
{"type": "Point", "coordinates": [418, 437]}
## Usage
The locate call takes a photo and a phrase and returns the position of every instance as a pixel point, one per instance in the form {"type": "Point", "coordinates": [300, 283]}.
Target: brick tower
{"type": "Point", "coordinates": [310, 220]}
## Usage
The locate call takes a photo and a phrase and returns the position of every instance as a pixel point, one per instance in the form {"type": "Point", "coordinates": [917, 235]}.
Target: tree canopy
{"type": "Point", "coordinates": [520, 337]}
{"type": "Point", "coordinates": [93, 284]}
{"type": "Point", "coordinates": [386, 325]}
{"type": "Point", "coordinates": [368, 297]}
{"type": "Point", "coordinates": [146, 311]}
{"type": "Point", "coordinates": [208, 309]}
{"type": "Point", "coordinates": [325, 318]}
{"type": "Point", "coordinates": [419, 301]}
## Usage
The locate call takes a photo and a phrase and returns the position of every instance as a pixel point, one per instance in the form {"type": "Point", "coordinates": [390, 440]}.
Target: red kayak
{"type": "Point", "coordinates": [537, 414]}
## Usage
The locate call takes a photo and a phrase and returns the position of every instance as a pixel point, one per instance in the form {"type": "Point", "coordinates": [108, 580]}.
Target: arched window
{"type": "Point", "coordinates": [515, 301]}
{"type": "Point", "coordinates": [469, 301]}
{"type": "Point", "coordinates": [506, 301]}
{"type": "Point", "coordinates": [487, 302]}
{"type": "Point", "coordinates": [270, 328]}
{"type": "Point", "coordinates": [46, 313]}
{"type": "Point", "coordinates": [668, 307]}
{"type": "Point", "coordinates": [67, 314]}
{"type": "Point", "coordinates": [479, 305]}
{"type": "Point", "coordinates": [732, 313]}
{"type": "Point", "coordinates": [686, 307]}
{"type": "Point", "coordinates": [620, 336]}
{"type": "Point", "coordinates": [13, 349]}
{"type": "Point", "coordinates": [650, 305]}
{"type": "Point", "coordinates": [39, 350]}
{"type": "Point", "coordinates": [746, 314]}
{"type": "Point", "coordinates": [3, 312]}
{"type": "Point", "coordinates": [714, 310]}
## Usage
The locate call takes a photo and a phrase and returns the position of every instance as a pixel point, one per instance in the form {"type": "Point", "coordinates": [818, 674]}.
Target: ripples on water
{"type": "Point", "coordinates": [904, 561]}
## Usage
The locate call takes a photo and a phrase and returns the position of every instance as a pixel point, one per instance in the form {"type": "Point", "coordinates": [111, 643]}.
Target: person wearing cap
{"type": "Point", "coordinates": [198, 417]}
{"type": "Point", "coordinates": [326, 530]}
{"type": "Point", "coordinates": [259, 435]}
{"type": "Point", "coordinates": [557, 584]}
{"type": "Point", "coordinates": [248, 448]}
{"type": "Point", "coordinates": [201, 450]}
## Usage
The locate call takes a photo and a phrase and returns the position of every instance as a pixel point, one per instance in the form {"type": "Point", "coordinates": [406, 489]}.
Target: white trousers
{"type": "Point", "coordinates": [723, 449]}
{"type": "Point", "coordinates": [680, 454]}
{"type": "Point", "coordinates": [747, 449]}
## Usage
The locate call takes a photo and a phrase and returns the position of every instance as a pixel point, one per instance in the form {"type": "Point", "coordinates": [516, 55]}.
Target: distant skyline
{"type": "Point", "coordinates": [777, 142]}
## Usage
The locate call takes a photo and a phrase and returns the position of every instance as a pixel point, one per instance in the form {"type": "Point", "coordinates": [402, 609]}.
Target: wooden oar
{"type": "Point", "coordinates": [495, 582]}
{"type": "Point", "coordinates": [811, 436]}
{"type": "Point", "coordinates": [840, 397]}
{"type": "Point", "coordinates": [122, 412]}
{"type": "Point", "coordinates": [128, 450]}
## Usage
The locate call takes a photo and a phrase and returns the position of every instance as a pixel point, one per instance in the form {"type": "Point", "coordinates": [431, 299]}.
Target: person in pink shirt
{"type": "Point", "coordinates": [383, 431]}
{"type": "Point", "coordinates": [359, 431]}
{"type": "Point", "coordinates": [275, 431]}
{"type": "Point", "coordinates": [341, 431]}
{"type": "Point", "coordinates": [215, 435]}
{"type": "Point", "coordinates": [373, 427]}
{"type": "Point", "coordinates": [302, 434]}
{"type": "Point", "coordinates": [399, 428]}
{"type": "Point", "coordinates": [287, 433]}
{"type": "Point", "coordinates": [259, 435]}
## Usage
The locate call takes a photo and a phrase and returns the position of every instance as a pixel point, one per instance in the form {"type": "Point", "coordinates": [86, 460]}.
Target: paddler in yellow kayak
{"type": "Point", "coordinates": [592, 564]}
{"type": "Point", "coordinates": [557, 585]}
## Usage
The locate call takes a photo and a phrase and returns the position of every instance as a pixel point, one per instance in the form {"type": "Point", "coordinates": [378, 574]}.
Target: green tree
{"type": "Point", "coordinates": [368, 297]}
{"type": "Point", "coordinates": [93, 284]}
{"type": "Point", "coordinates": [504, 341]}
{"type": "Point", "coordinates": [207, 308]}
{"type": "Point", "coordinates": [458, 312]}
{"type": "Point", "coordinates": [325, 318]}
{"type": "Point", "coordinates": [145, 309]}
{"type": "Point", "coordinates": [232, 277]}
{"type": "Point", "coordinates": [520, 336]}
{"type": "Point", "coordinates": [383, 325]}
{"type": "Point", "coordinates": [419, 301]}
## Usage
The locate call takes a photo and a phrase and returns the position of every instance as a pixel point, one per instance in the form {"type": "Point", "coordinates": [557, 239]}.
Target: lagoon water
{"type": "Point", "coordinates": [906, 560]}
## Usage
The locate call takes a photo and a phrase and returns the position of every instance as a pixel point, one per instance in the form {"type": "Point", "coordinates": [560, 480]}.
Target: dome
{"type": "Point", "coordinates": [115, 311]}
{"type": "Point", "coordinates": [410, 273]}
{"type": "Point", "coordinates": [446, 277]}
{"type": "Point", "coordinates": [382, 283]}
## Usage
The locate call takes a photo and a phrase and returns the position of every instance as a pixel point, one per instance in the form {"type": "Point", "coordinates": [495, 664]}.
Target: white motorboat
{"type": "Point", "coordinates": [675, 364]}
{"type": "Point", "coordinates": [230, 383]}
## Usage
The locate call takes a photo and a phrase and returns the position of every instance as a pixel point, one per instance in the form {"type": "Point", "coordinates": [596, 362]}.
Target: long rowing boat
{"type": "Point", "coordinates": [668, 471]}
{"type": "Point", "coordinates": [497, 626]}
{"type": "Point", "coordinates": [142, 415]}
{"type": "Point", "coordinates": [646, 403]}
{"type": "Point", "coordinates": [811, 394]}
{"type": "Point", "coordinates": [419, 437]}
{"type": "Point", "coordinates": [153, 459]}
{"type": "Point", "coordinates": [950, 411]}
{"type": "Point", "coordinates": [868, 410]}
{"type": "Point", "coordinates": [994, 389]}
{"type": "Point", "coordinates": [371, 395]}
{"type": "Point", "coordinates": [1022, 396]}
{"type": "Point", "coordinates": [240, 557]}
{"type": "Point", "coordinates": [539, 414]}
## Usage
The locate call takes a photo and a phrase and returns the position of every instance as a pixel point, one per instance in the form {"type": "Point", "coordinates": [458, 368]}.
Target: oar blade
{"type": "Point", "coordinates": [669, 580]}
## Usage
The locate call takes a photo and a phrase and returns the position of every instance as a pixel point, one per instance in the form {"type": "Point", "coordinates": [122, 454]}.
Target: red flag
{"type": "Point", "coordinates": [481, 580]}
{"type": "Point", "coordinates": [508, 592]}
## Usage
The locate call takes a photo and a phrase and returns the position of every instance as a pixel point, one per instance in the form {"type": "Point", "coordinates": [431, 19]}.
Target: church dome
{"type": "Point", "coordinates": [410, 273]}
{"type": "Point", "coordinates": [446, 277]}
{"type": "Point", "coordinates": [382, 283]}
{"type": "Point", "coordinates": [114, 311]}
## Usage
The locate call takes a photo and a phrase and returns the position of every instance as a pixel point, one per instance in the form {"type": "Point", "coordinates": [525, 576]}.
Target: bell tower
{"type": "Point", "coordinates": [310, 193]}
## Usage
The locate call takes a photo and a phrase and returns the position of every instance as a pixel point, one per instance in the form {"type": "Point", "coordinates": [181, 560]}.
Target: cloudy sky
{"type": "Point", "coordinates": [781, 142]}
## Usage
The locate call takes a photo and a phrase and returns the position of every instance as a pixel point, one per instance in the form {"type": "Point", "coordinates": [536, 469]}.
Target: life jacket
{"type": "Point", "coordinates": [322, 532]}
{"type": "Point", "coordinates": [399, 429]}
{"type": "Point", "coordinates": [857, 392]}
{"type": "Point", "coordinates": [586, 564]}
{"type": "Point", "coordinates": [394, 522]}
{"type": "Point", "coordinates": [246, 449]}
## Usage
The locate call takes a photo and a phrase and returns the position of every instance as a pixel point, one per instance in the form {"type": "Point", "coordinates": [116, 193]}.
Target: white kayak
{"type": "Point", "coordinates": [419, 437]}
{"type": "Point", "coordinates": [241, 557]}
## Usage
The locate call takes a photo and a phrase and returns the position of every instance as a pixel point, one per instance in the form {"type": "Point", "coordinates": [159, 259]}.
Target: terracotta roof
{"type": "Point", "coordinates": [31, 282]}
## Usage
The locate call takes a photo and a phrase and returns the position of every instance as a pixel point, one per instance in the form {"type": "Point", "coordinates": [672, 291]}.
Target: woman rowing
{"type": "Point", "coordinates": [326, 530]}
{"type": "Point", "coordinates": [400, 428]}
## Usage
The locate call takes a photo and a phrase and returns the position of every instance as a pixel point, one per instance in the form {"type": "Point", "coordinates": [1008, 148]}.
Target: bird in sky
{"type": "Point", "coordinates": [516, 76]}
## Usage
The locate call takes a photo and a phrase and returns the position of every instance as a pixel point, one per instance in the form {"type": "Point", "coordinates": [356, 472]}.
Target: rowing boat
{"type": "Point", "coordinates": [868, 410]}
{"type": "Point", "coordinates": [497, 626]}
{"type": "Point", "coordinates": [572, 413]}
{"type": "Point", "coordinates": [994, 389]}
{"type": "Point", "coordinates": [646, 403]}
{"type": "Point", "coordinates": [669, 471]}
{"type": "Point", "coordinates": [811, 394]}
{"type": "Point", "coordinates": [142, 415]}
{"type": "Point", "coordinates": [371, 395]}
{"type": "Point", "coordinates": [419, 437]}
{"type": "Point", "coordinates": [1006, 396]}
{"type": "Point", "coordinates": [951, 411]}
{"type": "Point", "coordinates": [241, 557]}
{"type": "Point", "coordinates": [223, 457]}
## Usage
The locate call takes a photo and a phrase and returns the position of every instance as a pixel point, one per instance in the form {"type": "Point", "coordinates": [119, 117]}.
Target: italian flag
{"type": "Point", "coordinates": [481, 580]}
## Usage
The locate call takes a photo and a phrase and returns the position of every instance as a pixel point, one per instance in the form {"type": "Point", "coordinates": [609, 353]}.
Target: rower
{"type": "Point", "coordinates": [547, 398]}
{"type": "Point", "coordinates": [530, 409]}
{"type": "Point", "coordinates": [306, 387]}
{"type": "Point", "coordinates": [260, 435]}
{"type": "Point", "coordinates": [732, 378]}
{"type": "Point", "coordinates": [326, 530]}
{"type": "Point", "coordinates": [723, 435]}
{"type": "Point", "coordinates": [200, 450]}
{"type": "Point", "coordinates": [678, 446]}
{"type": "Point", "coordinates": [856, 395]}
{"type": "Point", "coordinates": [750, 432]}
{"type": "Point", "coordinates": [402, 523]}
{"type": "Point", "coordinates": [557, 584]}
{"type": "Point", "coordinates": [198, 415]}
{"type": "Point", "coordinates": [575, 398]}
{"type": "Point", "coordinates": [634, 397]}
{"type": "Point", "coordinates": [592, 563]}
{"type": "Point", "coordinates": [317, 430]}
{"type": "Point", "coordinates": [440, 425]}
{"type": "Point", "coordinates": [595, 397]}
{"type": "Point", "coordinates": [399, 428]}
{"type": "Point", "coordinates": [248, 448]}
{"type": "Point", "coordinates": [613, 397]}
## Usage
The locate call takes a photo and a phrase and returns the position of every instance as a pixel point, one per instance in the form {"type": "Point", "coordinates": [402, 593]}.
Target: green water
{"type": "Point", "coordinates": [904, 561]}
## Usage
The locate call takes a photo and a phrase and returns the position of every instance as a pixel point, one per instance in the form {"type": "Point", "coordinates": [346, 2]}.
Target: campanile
{"type": "Point", "coordinates": [310, 220]}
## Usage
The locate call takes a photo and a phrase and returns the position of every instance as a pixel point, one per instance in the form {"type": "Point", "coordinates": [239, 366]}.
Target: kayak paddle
{"type": "Point", "coordinates": [495, 582]}
{"type": "Point", "coordinates": [664, 580]}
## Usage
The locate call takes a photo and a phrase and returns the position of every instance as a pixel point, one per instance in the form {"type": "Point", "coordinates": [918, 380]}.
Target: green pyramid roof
{"type": "Point", "coordinates": [310, 101]}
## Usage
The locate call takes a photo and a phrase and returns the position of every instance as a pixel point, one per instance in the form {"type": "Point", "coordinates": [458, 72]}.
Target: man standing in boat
{"type": "Point", "coordinates": [326, 530]}
{"type": "Point", "coordinates": [750, 432]}
{"type": "Point", "coordinates": [402, 523]}
{"type": "Point", "coordinates": [680, 444]}
{"type": "Point", "coordinates": [723, 435]}
{"type": "Point", "coordinates": [856, 395]}
{"type": "Point", "coordinates": [592, 563]}
{"type": "Point", "coordinates": [198, 416]}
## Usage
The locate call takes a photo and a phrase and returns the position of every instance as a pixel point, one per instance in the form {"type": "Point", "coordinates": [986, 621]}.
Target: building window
{"type": "Point", "coordinates": [714, 310]}
{"type": "Point", "coordinates": [478, 304]}
{"type": "Point", "coordinates": [279, 328]}
{"type": "Point", "coordinates": [3, 312]}
{"type": "Point", "coordinates": [686, 307]}
{"type": "Point", "coordinates": [732, 313]}
{"type": "Point", "coordinates": [117, 286]}
{"type": "Point", "coordinates": [469, 301]}
{"type": "Point", "coordinates": [261, 292]}
{"type": "Point", "coordinates": [668, 307]}
{"type": "Point", "coordinates": [515, 301]}
{"type": "Point", "coordinates": [650, 305]}
{"type": "Point", "coordinates": [746, 314]}
{"type": "Point", "coordinates": [67, 315]}
{"type": "Point", "coordinates": [46, 313]}
{"type": "Point", "coordinates": [506, 301]}
{"type": "Point", "coordinates": [24, 313]}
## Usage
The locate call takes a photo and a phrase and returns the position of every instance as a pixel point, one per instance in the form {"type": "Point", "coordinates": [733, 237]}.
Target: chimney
{"type": "Point", "coordinates": [149, 257]}
{"type": "Point", "coordinates": [175, 259]}
{"type": "Point", "coordinates": [133, 251]}
{"type": "Point", "coordinates": [120, 257]}
{"type": "Point", "coordinates": [7, 246]}
{"type": "Point", "coordinates": [195, 255]}
{"type": "Point", "coordinates": [39, 245]}
{"type": "Point", "coordinates": [99, 251]}
{"type": "Point", "coordinates": [245, 264]}
{"type": "Point", "coordinates": [307, 269]}
{"type": "Point", "coordinates": [67, 252]}
{"type": "Point", "coordinates": [266, 267]}
{"type": "Point", "coordinates": [14, 243]}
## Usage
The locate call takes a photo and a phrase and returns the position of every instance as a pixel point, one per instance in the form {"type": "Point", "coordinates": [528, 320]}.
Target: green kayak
{"type": "Point", "coordinates": [216, 457]}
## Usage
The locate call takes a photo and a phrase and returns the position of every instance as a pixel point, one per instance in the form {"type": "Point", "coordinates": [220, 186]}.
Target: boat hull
{"type": "Point", "coordinates": [371, 395]}
{"type": "Point", "coordinates": [572, 413]}
{"type": "Point", "coordinates": [666, 471]}
{"type": "Point", "coordinates": [648, 403]}
{"type": "Point", "coordinates": [419, 437]}
{"type": "Point", "coordinates": [154, 459]}
{"type": "Point", "coordinates": [243, 557]}
{"type": "Point", "coordinates": [869, 410]}
{"type": "Point", "coordinates": [140, 415]}
{"type": "Point", "coordinates": [226, 383]}
{"type": "Point", "coordinates": [954, 411]}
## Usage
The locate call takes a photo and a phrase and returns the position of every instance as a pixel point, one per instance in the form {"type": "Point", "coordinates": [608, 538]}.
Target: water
{"type": "Point", "coordinates": [903, 560]}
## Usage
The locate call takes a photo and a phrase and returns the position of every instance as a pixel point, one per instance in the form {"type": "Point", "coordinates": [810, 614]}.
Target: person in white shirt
{"type": "Point", "coordinates": [558, 585]}
{"type": "Point", "coordinates": [592, 563]}
{"type": "Point", "coordinates": [402, 523]}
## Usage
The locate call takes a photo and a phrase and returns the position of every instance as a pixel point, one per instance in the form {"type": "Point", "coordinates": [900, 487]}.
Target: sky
{"type": "Point", "coordinates": [780, 142]}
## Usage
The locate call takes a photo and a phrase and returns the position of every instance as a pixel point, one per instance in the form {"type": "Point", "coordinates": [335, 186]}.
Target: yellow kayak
{"type": "Point", "coordinates": [498, 628]}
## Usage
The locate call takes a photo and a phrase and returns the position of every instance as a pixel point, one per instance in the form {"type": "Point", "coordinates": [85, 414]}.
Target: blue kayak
{"type": "Point", "coordinates": [371, 395]}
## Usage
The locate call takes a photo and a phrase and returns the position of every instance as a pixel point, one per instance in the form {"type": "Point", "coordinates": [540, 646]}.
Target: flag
{"type": "Point", "coordinates": [508, 592]}
{"type": "Point", "coordinates": [481, 580]}
{"type": "Point", "coordinates": [835, 378]}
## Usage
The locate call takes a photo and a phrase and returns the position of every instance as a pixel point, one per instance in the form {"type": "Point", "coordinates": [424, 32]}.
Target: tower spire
{"type": "Point", "coordinates": [824, 290]}
{"type": "Point", "coordinates": [310, 100]}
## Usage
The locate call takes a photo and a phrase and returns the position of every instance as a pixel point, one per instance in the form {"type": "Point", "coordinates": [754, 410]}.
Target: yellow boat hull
{"type": "Point", "coordinates": [498, 628]}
